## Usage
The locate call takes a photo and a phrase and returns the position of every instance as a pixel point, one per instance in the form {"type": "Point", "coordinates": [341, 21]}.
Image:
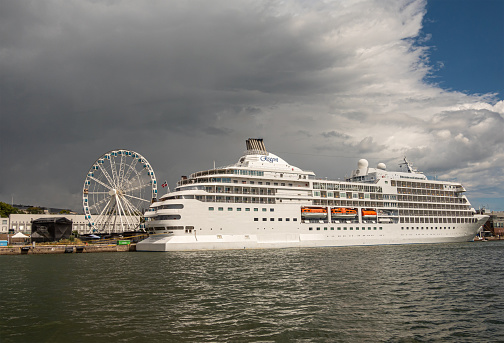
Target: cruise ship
{"type": "Point", "coordinates": [264, 202]}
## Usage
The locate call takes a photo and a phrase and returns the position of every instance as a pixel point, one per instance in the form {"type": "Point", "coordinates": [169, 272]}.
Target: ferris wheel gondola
{"type": "Point", "coordinates": [118, 188]}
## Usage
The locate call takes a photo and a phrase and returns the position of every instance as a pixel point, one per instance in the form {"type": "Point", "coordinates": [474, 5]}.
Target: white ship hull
{"type": "Point", "coordinates": [295, 240]}
{"type": "Point", "coordinates": [238, 230]}
{"type": "Point", "coordinates": [261, 202]}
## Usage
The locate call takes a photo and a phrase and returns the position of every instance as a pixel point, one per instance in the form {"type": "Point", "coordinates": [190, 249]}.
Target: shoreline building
{"type": "Point", "coordinates": [23, 223]}
{"type": "Point", "coordinates": [495, 224]}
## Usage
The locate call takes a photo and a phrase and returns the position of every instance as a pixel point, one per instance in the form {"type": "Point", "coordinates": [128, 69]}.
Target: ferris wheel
{"type": "Point", "coordinates": [117, 190]}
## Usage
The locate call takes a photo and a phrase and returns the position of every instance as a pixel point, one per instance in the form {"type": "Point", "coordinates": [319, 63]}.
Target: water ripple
{"type": "Point", "coordinates": [414, 293]}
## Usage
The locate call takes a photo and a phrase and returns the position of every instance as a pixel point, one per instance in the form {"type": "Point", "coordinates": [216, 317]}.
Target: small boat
{"type": "Point", "coordinates": [314, 212]}
{"type": "Point", "coordinates": [342, 212]}
{"type": "Point", "coordinates": [368, 214]}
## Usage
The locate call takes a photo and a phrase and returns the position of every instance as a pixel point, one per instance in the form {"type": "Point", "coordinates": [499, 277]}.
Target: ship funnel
{"type": "Point", "coordinates": [256, 144]}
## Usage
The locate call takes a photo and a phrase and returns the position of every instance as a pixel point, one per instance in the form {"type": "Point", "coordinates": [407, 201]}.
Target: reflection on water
{"type": "Point", "coordinates": [444, 292]}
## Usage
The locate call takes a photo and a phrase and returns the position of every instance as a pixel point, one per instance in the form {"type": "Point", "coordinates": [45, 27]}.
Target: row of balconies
{"type": "Point", "coordinates": [436, 213]}
{"type": "Point", "coordinates": [433, 206]}
{"type": "Point", "coordinates": [258, 191]}
{"type": "Point", "coordinates": [427, 192]}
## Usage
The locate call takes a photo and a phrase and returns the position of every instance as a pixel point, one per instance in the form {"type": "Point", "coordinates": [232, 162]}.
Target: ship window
{"type": "Point", "coordinates": [374, 228]}
{"type": "Point", "coordinates": [272, 219]}
{"type": "Point", "coordinates": [221, 209]}
{"type": "Point", "coordinates": [294, 219]}
{"type": "Point", "coordinates": [264, 219]}
{"type": "Point", "coordinates": [256, 209]}
{"type": "Point", "coordinates": [279, 219]}
{"type": "Point", "coordinates": [264, 209]}
{"type": "Point", "coordinates": [339, 228]}
{"type": "Point", "coordinates": [287, 219]}
{"type": "Point", "coordinates": [267, 183]}
{"type": "Point", "coordinates": [210, 208]}
{"type": "Point", "coordinates": [310, 228]}
{"type": "Point", "coordinates": [318, 229]}
{"type": "Point", "coordinates": [351, 228]}
{"type": "Point", "coordinates": [272, 210]}
{"type": "Point", "coordinates": [247, 209]}
{"type": "Point", "coordinates": [282, 184]}
{"type": "Point", "coordinates": [275, 184]}
{"type": "Point", "coordinates": [332, 228]}
{"type": "Point", "coordinates": [256, 219]}
{"type": "Point", "coordinates": [238, 209]}
{"type": "Point", "coordinates": [325, 229]}
{"type": "Point", "coordinates": [344, 228]}
{"type": "Point", "coordinates": [357, 228]}
{"type": "Point", "coordinates": [381, 228]}
{"type": "Point", "coordinates": [230, 208]}
{"type": "Point", "coordinates": [369, 228]}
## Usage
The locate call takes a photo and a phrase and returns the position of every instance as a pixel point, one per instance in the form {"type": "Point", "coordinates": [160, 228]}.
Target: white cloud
{"type": "Point", "coordinates": [184, 82]}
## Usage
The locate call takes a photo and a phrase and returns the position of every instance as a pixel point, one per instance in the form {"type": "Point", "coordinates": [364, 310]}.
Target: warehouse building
{"type": "Point", "coordinates": [23, 223]}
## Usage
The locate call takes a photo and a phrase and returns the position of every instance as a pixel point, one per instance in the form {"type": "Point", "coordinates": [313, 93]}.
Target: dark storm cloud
{"type": "Point", "coordinates": [110, 64]}
{"type": "Point", "coordinates": [77, 76]}
{"type": "Point", "coordinates": [335, 134]}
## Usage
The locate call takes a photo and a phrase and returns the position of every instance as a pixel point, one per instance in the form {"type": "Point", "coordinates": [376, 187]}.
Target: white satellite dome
{"type": "Point", "coordinates": [382, 166]}
{"type": "Point", "coordinates": [362, 164]}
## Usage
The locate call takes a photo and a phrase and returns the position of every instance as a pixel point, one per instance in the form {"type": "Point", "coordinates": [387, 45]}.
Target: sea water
{"type": "Point", "coordinates": [408, 293]}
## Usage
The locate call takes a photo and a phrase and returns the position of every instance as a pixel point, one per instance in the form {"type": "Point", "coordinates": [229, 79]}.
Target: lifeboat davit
{"type": "Point", "coordinates": [342, 212]}
{"type": "Point", "coordinates": [314, 212]}
{"type": "Point", "coordinates": [368, 214]}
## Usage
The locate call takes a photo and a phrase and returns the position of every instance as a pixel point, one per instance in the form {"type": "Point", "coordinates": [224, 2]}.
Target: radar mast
{"type": "Point", "coordinates": [409, 167]}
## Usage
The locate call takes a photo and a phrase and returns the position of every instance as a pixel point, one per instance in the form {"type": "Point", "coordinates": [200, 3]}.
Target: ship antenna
{"type": "Point", "coordinates": [409, 166]}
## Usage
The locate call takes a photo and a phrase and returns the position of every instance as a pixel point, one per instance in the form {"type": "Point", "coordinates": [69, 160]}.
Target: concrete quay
{"type": "Point", "coordinates": [62, 249]}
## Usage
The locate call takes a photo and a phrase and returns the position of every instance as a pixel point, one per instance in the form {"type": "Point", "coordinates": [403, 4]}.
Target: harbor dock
{"type": "Point", "coordinates": [62, 249]}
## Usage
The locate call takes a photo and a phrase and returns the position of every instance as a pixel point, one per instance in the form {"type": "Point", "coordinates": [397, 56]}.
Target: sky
{"type": "Point", "coordinates": [185, 83]}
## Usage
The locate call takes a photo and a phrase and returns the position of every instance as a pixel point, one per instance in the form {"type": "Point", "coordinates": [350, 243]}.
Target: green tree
{"type": "Point", "coordinates": [34, 210]}
{"type": "Point", "coordinates": [64, 212]}
{"type": "Point", "coordinates": [6, 210]}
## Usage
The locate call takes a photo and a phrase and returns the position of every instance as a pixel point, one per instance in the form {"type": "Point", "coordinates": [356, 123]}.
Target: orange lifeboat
{"type": "Point", "coordinates": [341, 212]}
{"type": "Point", "coordinates": [314, 212]}
{"type": "Point", "coordinates": [368, 214]}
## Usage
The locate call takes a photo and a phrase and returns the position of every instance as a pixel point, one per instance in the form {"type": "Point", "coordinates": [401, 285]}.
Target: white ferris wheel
{"type": "Point", "coordinates": [118, 189]}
